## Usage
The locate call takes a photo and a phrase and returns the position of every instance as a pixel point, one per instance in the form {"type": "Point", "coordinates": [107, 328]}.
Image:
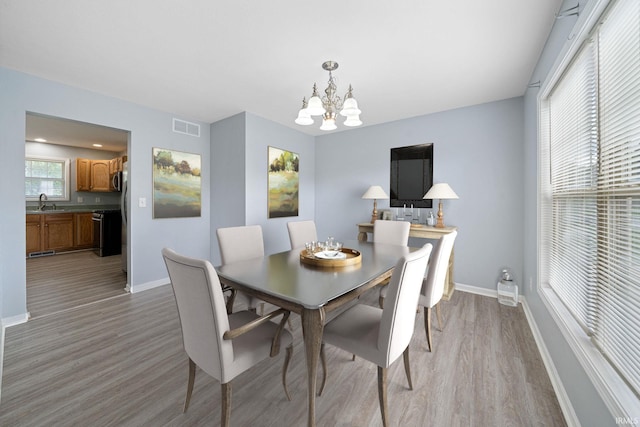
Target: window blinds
{"type": "Point", "coordinates": [616, 317]}
{"type": "Point", "coordinates": [590, 188]}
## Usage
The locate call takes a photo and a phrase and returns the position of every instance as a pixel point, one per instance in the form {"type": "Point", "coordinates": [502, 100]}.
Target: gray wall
{"type": "Point", "coordinates": [477, 150]}
{"type": "Point", "coordinates": [228, 177]}
{"type": "Point", "coordinates": [239, 178]}
{"type": "Point", "coordinates": [22, 93]}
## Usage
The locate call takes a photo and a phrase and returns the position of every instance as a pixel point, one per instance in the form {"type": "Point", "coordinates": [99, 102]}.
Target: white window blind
{"type": "Point", "coordinates": [590, 189]}
{"type": "Point", "coordinates": [616, 317]}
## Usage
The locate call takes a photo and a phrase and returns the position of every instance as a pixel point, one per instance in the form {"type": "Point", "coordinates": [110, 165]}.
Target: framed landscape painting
{"type": "Point", "coordinates": [177, 185]}
{"type": "Point", "coordinates": [283, 180]}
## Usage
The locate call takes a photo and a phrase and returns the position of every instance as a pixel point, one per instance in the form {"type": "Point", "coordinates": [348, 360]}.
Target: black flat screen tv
{"type": "Point", "coordinates": [411, 175]}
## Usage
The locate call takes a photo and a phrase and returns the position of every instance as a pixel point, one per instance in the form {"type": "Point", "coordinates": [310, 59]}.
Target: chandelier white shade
{"type": "Point", "coordinates": [375, 192]}
{"type": "Point", "coordinates": [329, 105]}
{"type": "Point", "coordinates": [440, 191]}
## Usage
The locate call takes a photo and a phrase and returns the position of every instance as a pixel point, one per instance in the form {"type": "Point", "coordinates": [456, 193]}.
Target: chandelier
{"type": "Point", "coordinates": [329, 105]}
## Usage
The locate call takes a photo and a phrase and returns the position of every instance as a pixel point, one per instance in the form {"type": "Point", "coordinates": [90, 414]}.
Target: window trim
{"type": "Point", "coordinates": [67, 177]}
{"type": "Point", "coordinates": [615, 393]}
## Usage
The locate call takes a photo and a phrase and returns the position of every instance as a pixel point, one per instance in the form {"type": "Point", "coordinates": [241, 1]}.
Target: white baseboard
{"type": "Point", "coordinates": [149, 285]}
{"type": "Point", "coordinates": [477, 290]}
{"type": "Point", "coordinates": [563, 398]}
{"type": "Point", "coordinates": [14, 320]}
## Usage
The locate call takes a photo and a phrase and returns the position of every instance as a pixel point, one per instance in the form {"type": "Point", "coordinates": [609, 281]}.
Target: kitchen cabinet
{"type": "Point", "coordinates": [83, 174]}
{"type": "Point", "coordinates": [59, 232]}
{"type": "Point", "coordinates": [34, 233]}
{"type": "Point", "coordinates": [93, 175]}
{"type": "Point", "coordinates": [84, 235]}
{"type": "Point", "coordinates": [100, 178]}
{"type": "Point", "coordinates": [115, 164]}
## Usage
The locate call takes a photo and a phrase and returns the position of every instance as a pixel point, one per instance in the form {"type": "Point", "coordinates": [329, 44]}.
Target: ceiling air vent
{"type": "Point", "coordinates": [187, 128]}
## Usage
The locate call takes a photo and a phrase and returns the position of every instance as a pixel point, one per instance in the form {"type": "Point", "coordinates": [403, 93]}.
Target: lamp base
{"type": "Point", "coordinates": [440, 223]}
{"type": "Point", "coordinates": [374, 214]}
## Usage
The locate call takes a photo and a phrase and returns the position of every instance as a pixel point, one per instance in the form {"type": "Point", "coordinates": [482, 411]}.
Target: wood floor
{"type": "Point", "coordinates": [67, 280]}
{"type": "Point", "coordinates": [120, 362]}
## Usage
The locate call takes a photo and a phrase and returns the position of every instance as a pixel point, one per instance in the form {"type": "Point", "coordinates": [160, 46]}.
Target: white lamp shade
{"type": "Point", "coordinates": [304, 118]}
{"type": "Point", "coordinates": [350, 107]}
{"type": "Point", "coordinates": [328, 124]}
{"type": "Point", "coordinates": [353, 121]}
{"type": "Point", "coordinates": [440, 191]}
{"type": "Point", "coordinates": [314, 107]}
{"type": "Point", "coordinates": [375, 192]}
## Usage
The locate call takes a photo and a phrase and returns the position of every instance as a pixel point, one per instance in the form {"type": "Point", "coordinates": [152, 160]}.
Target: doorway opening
{"type": "Point", "coordinates": [66, 265]}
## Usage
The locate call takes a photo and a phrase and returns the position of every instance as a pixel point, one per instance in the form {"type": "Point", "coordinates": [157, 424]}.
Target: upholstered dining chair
{"type": "Point", "coordinates": [434, 282]}
{"type": "Point", "coordinates": [391, 232]}
{"type": "Point", "coordinates": [222, 345]}
{"type": "Point", "coordinates": [382, 335]}
{"type": "Point", "coordinates": [240, 244]}
{"type": "Point", "coordinates": [301, 232]}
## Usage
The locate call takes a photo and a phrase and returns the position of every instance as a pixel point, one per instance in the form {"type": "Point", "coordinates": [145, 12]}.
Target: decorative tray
{"type": "Point", "coordinates": [345, 257]}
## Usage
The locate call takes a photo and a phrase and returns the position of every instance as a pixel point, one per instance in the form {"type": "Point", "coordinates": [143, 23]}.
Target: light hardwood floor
{"type": "Point", "coordinates": [67, 280]}
{"type": "Point", "coordinates": [120, 362]}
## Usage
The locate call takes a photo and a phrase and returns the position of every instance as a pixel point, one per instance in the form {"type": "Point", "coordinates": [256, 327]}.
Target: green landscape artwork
{"type": "Point", "coordinates": [177, 184]}
{"type": "Point", "coordinates": [283, 183]}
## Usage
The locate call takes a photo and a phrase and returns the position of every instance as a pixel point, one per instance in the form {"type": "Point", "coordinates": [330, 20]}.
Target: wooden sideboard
{"type": "Point", "coordinates": [421, 232]}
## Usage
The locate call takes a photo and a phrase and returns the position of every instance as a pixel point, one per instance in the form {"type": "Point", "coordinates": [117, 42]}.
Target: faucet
{"type": "Point", "coordinates": [42, 198]}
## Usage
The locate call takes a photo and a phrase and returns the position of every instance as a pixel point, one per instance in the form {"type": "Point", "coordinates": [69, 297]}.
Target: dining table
{"type": "Point", "coordinates": [312, 290]}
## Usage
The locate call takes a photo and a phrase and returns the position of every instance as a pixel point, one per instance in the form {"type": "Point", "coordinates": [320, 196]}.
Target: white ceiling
{"type": "Point", "coordinates": [209, 59]}
{"type": "Point", "coordinates": [76, 134]}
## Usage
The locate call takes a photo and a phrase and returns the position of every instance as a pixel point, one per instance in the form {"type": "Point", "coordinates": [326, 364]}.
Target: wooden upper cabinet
{"type": "Point", "coordinates": [113, 166]}
{"type": "Point", "coordinates": [97, 175]}
{"type": "Point", "coordinates": [83, 174]}
{"type": "Point", "coordinates": [100, 177]}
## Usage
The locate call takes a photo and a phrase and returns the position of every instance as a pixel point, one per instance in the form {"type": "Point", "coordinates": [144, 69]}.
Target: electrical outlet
{"type": "Point", "coordinates": [80, 199]}
{"type": "Point", "coordinates": [142, 202]}
{"type": "Point", "coordinates": [97, 199]}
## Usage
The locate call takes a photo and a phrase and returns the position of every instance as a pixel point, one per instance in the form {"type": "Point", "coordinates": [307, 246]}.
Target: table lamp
{"type": "Point", "coordinates": [440, 191]}
{"type": "Point", "coordinates": [375, 192]}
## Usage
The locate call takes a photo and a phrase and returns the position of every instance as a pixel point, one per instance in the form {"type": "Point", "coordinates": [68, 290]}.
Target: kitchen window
{"type": "Point", "coordinates": [589, 198]}
{"type": "Point", "coordinates": [46, 175]}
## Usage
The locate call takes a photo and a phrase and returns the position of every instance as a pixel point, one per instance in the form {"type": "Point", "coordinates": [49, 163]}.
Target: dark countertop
{"type": "Point", "coordinates": [33, 210]}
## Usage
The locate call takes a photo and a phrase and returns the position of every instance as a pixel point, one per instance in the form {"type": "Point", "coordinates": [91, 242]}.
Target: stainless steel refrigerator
{"type": "Point", "coordinates": [124, 205]}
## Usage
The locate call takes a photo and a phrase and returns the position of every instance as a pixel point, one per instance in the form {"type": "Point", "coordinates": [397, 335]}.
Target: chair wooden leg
{"type": "Point", "coordinates": [287, 359]}
{"type": "Point", "coordinates": [192, 377]}
{"type": "Point", "coordinates": [225, 417]}
{"type": "Point", "coordinates": [323, 360]}
{"type": "Point", "coordinates": [407, 367]}
{"type": "Point", "coordinates": [439, 316]}
{"type": "Point", "coordinates": [427, 326]}
{"type": "Point", "coordinates": [382, 394]}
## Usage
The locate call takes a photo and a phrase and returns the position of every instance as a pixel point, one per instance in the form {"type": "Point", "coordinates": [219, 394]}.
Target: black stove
{"type": "Point", "coordinates": [104, 211]}
{"type": "Point", "coordinates": [107, 228]}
